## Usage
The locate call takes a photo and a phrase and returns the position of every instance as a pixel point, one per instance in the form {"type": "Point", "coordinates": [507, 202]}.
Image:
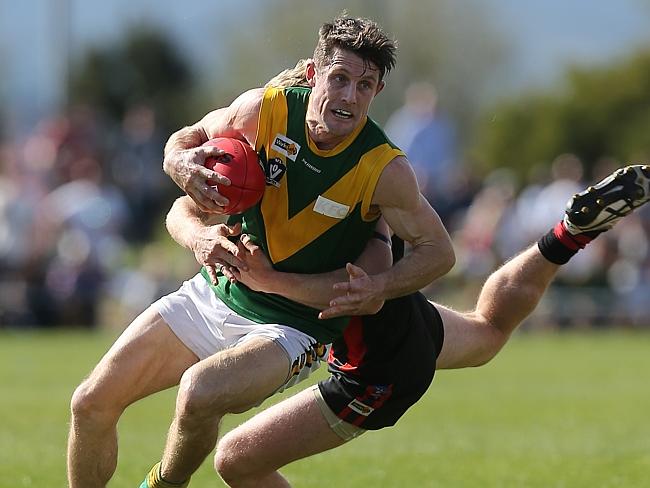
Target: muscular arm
{"type": "Point", "coordinates": [411, 217]}
{"type": "Point", "coordinates": [206, 235]}
{"type": "Point", "coordinates": [184, 157]}
{"type": "Point", "coordinates": [313, 290]}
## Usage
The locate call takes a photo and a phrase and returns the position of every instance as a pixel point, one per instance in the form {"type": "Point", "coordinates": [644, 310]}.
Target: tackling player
{"type": "Point", "coordinates": [385, 362]}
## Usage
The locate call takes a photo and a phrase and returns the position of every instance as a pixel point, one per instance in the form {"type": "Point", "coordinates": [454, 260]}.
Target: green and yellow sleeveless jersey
{"type": "Point", "coordinates": [315, 215]}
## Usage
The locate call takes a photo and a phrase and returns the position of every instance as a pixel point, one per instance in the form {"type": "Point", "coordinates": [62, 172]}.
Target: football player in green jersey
{"type": "Point", "coordinates": [231, 347]}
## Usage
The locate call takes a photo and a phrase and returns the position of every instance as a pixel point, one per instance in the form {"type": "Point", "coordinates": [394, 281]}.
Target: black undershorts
{"type": "Point", "coordinates": [384, 363]}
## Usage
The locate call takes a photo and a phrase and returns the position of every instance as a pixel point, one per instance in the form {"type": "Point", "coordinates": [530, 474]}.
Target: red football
{"type": "Point", "coordinates": [241, 166]}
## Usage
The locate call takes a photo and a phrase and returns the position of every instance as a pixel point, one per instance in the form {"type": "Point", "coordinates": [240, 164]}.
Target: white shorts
{"type": "Point", "coordinates": [205, 324]}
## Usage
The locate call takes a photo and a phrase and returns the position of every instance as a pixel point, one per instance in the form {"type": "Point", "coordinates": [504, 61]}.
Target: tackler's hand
{"type": "Point", "coordinates": [214, 250]}
{"type": "Point", "coordinates": [259, 274]}
{"type": "Point", "coordinates": [360, 295]}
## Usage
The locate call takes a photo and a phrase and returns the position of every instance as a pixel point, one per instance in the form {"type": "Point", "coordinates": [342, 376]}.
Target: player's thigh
{"type": "Point", "coordinates": [240, 377]}
{"type": "Point", "coordinates": [468, 341]}
{"type": "Point", "coordinates": [292, 429]}
{"type": "Point", "coordinates": [146, 358]}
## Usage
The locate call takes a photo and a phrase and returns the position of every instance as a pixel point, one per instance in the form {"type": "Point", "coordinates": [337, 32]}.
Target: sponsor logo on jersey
{"type": "Point", "coordinates": [286, 146]}
{"type": "Point", "coordinates": [330, 208]}
{"type": "Point", "coordinates": [275, 170]}
{"type": "Point", "coordinates": [360, 408]}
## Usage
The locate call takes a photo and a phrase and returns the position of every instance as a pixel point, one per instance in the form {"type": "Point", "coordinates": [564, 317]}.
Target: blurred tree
{"type": "Point", "coordinates": [144, 68]}
{"type": "Point", "coordinates": [598, 113]}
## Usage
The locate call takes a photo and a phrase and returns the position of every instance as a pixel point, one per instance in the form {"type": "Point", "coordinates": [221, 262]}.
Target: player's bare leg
{"type": "Point", "coordinates": [512, 292]}
{"type": "Point", "coordinates": [147, 358]}
{"type": "Point", "coordinates": [508, 296]}
{"type": "Point", "coordinates": [251, 454]}
{"type": "Point", "coordinates": [231, 381]}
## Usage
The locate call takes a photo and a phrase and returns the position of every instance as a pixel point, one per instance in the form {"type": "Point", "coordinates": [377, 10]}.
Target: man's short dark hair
{"type": "Point", "coordinates": [363, 37]}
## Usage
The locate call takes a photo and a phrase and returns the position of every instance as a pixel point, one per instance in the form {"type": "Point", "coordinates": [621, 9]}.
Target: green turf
{"type": "Point", "coordinates": [565, 410]}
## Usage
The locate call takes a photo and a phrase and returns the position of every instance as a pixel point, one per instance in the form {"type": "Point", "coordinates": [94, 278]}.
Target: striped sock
{"type": "Point", "coordinates": [155, 480]}
{"type": "Point", "coordinates": [558, 245]}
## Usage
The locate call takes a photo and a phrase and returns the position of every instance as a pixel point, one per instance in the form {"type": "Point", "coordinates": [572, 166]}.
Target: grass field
{"type": "Point", "coordinates": [552, 410]}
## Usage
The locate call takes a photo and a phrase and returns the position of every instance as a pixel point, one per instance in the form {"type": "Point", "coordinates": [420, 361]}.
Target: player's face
{"type": "Point", "coordinates": [340, 97]}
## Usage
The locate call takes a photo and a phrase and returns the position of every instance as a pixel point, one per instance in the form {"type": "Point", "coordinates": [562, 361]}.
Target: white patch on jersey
{"type": "Point", "coordinates": [330, 208]}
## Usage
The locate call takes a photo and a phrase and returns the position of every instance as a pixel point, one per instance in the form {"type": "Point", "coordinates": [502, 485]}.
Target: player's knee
{"type": "Point", "coordinates": [230, 461]}
{"type": "Point", "coordinates": [226, 467]}
{"type": "Point", "coordinates": [199, 396]}
{"type": "Point", "coordinates": [90, 404]}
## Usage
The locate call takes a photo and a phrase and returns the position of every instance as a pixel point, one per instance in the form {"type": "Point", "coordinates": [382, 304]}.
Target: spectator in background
{"type": "Point", "coordinates": [133, 169]}
{"type": "Point", "coordinates": [24, 174]}
{"type": "Point", "coordinates": [428, 138]}
{"type": "Point", "coordinates": [566, 179]}
{"type": "Point", "coordinates": [86, 218]}
{"type": "Point", "coordinates": [478, 235]}
{"type": "Point", "coordinates": [419, 106]}
{"type": "Point", "coordinates": [17, 208]}
{"type": "Point", "coordinates": [61, 223]}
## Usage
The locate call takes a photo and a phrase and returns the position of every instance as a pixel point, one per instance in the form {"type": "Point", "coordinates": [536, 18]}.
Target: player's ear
{"type": "Point", "coordinates": [380, 87]}
{"type": "Point", "coordinates": [310, 72]}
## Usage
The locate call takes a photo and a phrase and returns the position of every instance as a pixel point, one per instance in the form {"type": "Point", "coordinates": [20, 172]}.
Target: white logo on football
{"type": "Point", "coordinates": [330, 208]}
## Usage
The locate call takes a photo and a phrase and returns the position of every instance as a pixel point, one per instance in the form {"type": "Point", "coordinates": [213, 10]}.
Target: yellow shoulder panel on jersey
{"type": "Point", "coordinates": [273, 117]}
{"type": "Point", "coordinates": [286, 236]}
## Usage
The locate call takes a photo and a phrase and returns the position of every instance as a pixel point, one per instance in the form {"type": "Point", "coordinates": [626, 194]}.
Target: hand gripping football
{"type": "Point", "coordinates": [241, 166]}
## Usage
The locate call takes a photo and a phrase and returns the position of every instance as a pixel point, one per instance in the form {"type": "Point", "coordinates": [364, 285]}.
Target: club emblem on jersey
{"type": "Point", "coordinates": [275, 170]}
{"type": "Point", "coordinates": [286, 146]}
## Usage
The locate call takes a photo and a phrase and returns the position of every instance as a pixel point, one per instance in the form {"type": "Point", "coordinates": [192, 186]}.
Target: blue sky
{"type": "Point", "coordinates": [553, 33]}
{"type": "Point", "coordinates": [547, 34]}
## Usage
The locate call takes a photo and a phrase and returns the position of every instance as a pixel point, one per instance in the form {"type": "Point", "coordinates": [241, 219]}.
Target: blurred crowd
{"type": "Point", "coordinates": [80, 202]}
{"type": "Point", "coordinates": [82, 240]}
{"type": "Point", "coordinates": [497, 217]}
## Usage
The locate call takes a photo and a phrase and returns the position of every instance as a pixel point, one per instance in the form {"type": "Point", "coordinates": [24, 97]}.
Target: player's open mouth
{"type": "Point", "coordinates": [342, 114]}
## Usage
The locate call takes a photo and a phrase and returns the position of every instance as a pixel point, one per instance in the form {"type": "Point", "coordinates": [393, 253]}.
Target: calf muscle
{"type": "Point", "coordinates": [147, 358]}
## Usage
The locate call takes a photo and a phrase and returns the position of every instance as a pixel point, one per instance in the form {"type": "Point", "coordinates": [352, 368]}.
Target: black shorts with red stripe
{"type": "Point", "coordinates": [384, 363]}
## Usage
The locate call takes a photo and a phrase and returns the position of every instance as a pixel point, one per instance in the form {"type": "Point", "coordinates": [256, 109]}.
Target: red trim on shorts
{"type": "Point", "coordinates": [353, 337]}
{"type": "Point", "coordinates": [378, 399]}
